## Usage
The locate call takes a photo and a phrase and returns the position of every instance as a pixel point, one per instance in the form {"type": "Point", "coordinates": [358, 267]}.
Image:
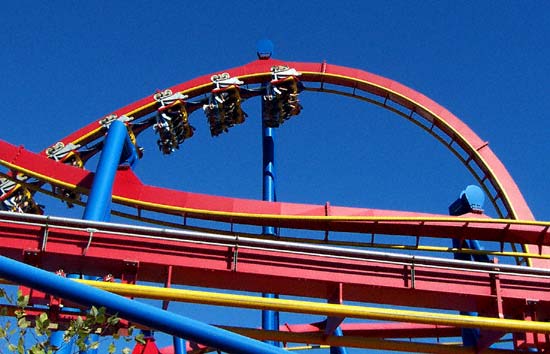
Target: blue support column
{"type": "Point", "coordinates": [142, 313]}
{"type": "Point", "coordinates": [471, 200]}
{"type": "Point", "coordinates": [92, 337]}
{"type": "Point", "coordinates": [179, 346]}
{"type": "Point", "coordinates": [270, 319]}
{"type": "Point", "coordinates": [338, 350]}
{"type": "Point", "coordinates": [116, 148]}
{"type": "Point", "coordinates": [268, 190]}
{"type": "Point", "coordinates": [57, 337]}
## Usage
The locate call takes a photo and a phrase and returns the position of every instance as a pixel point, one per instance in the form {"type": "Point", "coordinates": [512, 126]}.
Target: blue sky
{"type": "Point", "coordinates": [65, 64]}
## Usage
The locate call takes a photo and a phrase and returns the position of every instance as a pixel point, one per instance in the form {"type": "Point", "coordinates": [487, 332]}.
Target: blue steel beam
{"type": "Point", "coordinates": [142, 313]}
{"type": "Point", "coordinates": [268, 190]}
{"type": "Point", "coordinates": [179, 346]}
{"type": "Point", "coordinates": [58, 337]}
{"type": "Point", "coordinates": [470, 200]}
{"type": "Point", "coordinates": [116, 149]}
{"type": "Point", "coordinates": [270, 318]}
{"type": "Point", "coordinates": [338, 350]}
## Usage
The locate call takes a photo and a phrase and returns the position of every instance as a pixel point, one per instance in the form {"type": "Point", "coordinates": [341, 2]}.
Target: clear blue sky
{"type": "Point", "coordinates": [65, 64]}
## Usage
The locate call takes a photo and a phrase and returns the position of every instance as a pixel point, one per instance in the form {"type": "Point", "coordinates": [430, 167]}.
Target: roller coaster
{"type": "Point", "coordinates": [477, 295]}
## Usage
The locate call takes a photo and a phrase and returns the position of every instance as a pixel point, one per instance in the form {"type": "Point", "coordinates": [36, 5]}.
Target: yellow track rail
{"type": "Point", "coordinates": [335, 310]}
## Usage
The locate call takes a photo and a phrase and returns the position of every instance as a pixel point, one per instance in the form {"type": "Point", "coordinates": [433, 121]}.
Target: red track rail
{"type": "Point", "coordinates": [157, 258]}
{"type": "Point", "coordinates": [130, 191]}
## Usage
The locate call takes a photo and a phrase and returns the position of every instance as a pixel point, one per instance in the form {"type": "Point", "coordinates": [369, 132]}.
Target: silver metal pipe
{"type": "Point", "coordinates": [272, 245]}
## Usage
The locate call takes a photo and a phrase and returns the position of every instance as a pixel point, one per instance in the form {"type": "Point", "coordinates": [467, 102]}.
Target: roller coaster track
{"type": "Point", "coordinates": [229, 260]}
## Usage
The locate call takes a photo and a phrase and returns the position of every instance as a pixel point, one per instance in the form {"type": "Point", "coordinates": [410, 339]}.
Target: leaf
{"type": "Point", "coordinates": [126, 351]}
{"type": "Point", "coordinates": [101, 316]}
{"type": "Point", "coordinates": [38, 330]}
{"type": "Point", "coordinates": [140, 338]}
{"type": "Point", "coordinates": [93, 312]}
{"type": "Point", "coordinates": [19, 313]}
{"type": "Point", "coordinates": [36, 350]}
{"type": "Point", "coordinates": [81, 344]}
{"type": "Point", "coordinates": [22, 301]}
{"type": "Point", "coordinates": [113, 321]}
{"type": "Point", "coordinates": [112, 348]}
{"type": "Point", "coordinates": [23, 323]}
{"type": "Point", "coordinates": [43, 317]}
{"type": "Point", "coordinates": [42, 323]}
{"type": "Point", "coordinates": [21, 345]}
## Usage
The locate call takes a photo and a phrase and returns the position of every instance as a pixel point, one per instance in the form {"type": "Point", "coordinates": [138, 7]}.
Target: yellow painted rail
{"type": "Point", "coordinates": [307, 307]}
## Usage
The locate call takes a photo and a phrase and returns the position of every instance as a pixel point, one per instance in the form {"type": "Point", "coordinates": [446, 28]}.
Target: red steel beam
{"type": "Point", "coordinates": [129, 190]}
{"type": "Point", "coordinates": [270, 271]}
{"type": "Point", "coordinates": [380, 330]}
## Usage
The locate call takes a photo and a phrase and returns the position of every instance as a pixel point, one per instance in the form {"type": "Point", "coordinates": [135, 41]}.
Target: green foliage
{"type": "Point", "coordinates": [22, 336]}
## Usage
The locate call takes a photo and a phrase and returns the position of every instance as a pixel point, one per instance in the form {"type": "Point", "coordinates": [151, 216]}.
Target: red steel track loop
{"type": "Point", "coordinates": [457, 136]}
{"type": "Point", "coordinates": [388, 90]}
